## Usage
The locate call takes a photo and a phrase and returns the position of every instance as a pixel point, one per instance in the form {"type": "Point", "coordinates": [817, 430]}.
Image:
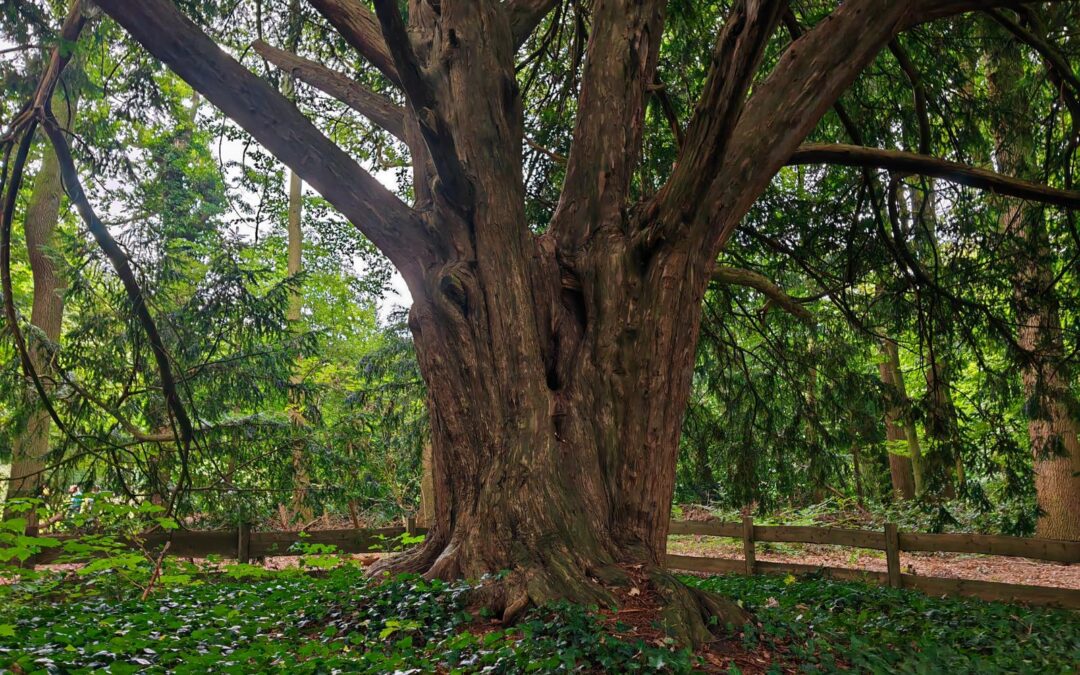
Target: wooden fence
{"type": "Point", "coordinates": [892, 542]}
{"type": "Point", "coordinates": [243, 545]}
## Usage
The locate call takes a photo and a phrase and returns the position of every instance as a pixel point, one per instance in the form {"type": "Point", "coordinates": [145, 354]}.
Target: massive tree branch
{"type": "Point", "coordinates": [735, 58]}
{"type": "Point", "coordinates": [620, 64]}
{"type": "Point", "coordinates": [759, 282]}
{"type": "Point", "coordinates": [379, 109]}
{"type": "Point", "coordinates": [360, 29]}
{"type": "Point", "coordinates": [795, 30]}
{"type": "Point", "coordinates": [909, 162]}
{"type": "Point", "coordinates": [282, 129]}
{"type": "Point", "coordinates": [525, 16]}
{"type": "Point", "coordinates": [422, 93]}
{"type": "Point", "coordinates": [418, 88]}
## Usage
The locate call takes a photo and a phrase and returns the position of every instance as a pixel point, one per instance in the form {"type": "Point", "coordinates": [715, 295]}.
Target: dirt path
{"type": "Point", "coordinates": [949, 565]}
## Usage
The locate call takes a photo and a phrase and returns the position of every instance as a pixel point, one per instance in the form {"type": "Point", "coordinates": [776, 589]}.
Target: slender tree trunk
{"type": "Point", "coordinates": [942, 429]}
{"type": "Point", "coordinates": [705, 476]}
{"type": "Point", "coordinates": [1052, 428]}
{"type": "Point", "coordinates": [42, 216]}
{"type": "Point", "coordinates": [901, 467]}
{"type": "Point", "coordinates": [301, 477]}
{"type": "Point", "coordinates": [943, 463]}
{"type": "Point", "coordinates": [911, 432]}
{"type": "Point", "coordinates": [819, 462]}
{"type": "Point", "coordinates": [300, 507]}
{"type": "Point", "coordinates": [856, 467]}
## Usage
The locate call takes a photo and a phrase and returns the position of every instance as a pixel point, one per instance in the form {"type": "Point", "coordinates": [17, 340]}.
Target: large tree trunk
{"type": "Point", "coordinates": [556, 400]}
{"type": "Point", "coordinates": [42, 216]}
{"type": "Point", "coordinates": [558, 366]}
{"type": "Point", "coordinates": [1052, 428]}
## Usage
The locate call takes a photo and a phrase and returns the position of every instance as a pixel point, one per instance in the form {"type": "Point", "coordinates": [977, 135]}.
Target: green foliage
{"type": "Point", "coordinates": [16, 547]}
{"type": "Point", "coordinates": [399, 543]}
{"type": "Point", "coordinates": [109, 546]}
{"type": "Point", "coordinates": [293, 622]}
{"type": "Point", "coordinates": [823, 624]}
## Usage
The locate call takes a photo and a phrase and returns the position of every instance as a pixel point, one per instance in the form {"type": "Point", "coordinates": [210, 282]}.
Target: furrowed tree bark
{"type": "Point", "coordinates": [1052, 428]}
{"type": "Point", "coordinates": [359, 26]}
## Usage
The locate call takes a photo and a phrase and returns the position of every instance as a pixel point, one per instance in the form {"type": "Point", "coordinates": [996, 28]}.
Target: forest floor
{"type": "Point", "coordinates": [249, 619]}
{"type": "Point", "coordinates": [948, 565]}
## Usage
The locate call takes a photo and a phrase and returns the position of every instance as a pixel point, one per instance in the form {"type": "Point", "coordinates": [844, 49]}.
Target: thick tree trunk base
{"type": "Point", "coordinates": [690, 615]}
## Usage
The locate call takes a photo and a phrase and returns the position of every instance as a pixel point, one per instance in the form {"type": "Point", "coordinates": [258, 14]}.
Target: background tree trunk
{"type": "Point", "coordinates": [901, 467]}
{"type": "Point", "coordinates": [42, 216]}
{"type": "Point", "coordinates": [1052, 429]}
{"type": "Point", "coordinates": [299, 507]}
{"type": "Point", "coordinates": [943, 463]}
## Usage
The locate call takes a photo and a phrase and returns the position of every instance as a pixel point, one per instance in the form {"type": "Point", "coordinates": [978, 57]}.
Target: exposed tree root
{"type": "Point", "coordinates": [690, 615]}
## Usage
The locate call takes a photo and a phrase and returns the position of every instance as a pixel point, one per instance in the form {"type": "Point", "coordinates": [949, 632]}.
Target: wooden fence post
{"type": "Point", "coordinates": [243, 542]}
{"type": "Point", "coordinates": [892, 554]}
{"type": "Point", "coordinates": [748, 543]}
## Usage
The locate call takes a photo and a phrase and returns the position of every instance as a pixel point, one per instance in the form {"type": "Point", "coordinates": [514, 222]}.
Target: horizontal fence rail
{"type": "Point", "coordinates": [243, 544]}
{"type": "Point", "coordinates": [892, 542]}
